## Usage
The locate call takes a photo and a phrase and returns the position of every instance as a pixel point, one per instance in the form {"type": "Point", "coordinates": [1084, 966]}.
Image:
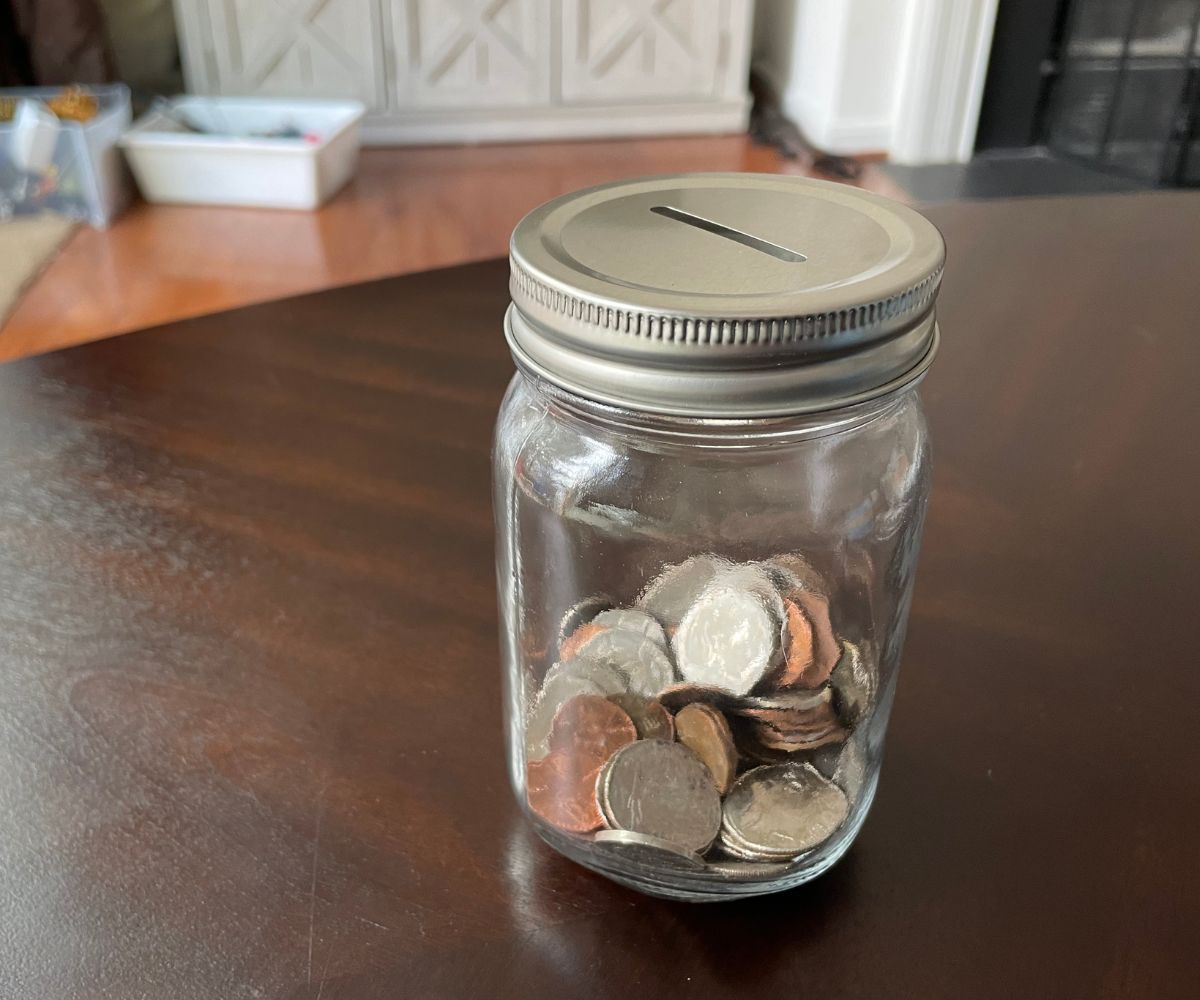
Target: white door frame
{"type": "Point", "coordinates": [944, 51]}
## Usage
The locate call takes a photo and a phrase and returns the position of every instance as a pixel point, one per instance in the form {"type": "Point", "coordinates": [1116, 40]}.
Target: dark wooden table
{"type": "Point", "coordinates": [250, 739]}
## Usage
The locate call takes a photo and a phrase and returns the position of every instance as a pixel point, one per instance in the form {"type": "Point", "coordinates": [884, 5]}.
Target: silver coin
{"type": "Point", "coordinates": [676, 588]}
{"type": "Point", "coordinates": [782, 810]}
{"type": "Point", "coordinates": [661, 789]}
{"type": "Point", "coordinates": [845, 765]}
{"type": "Point", "coordinates": [632, 620]}
{"type": "Point", "coordinates": [854, 684]}
{"type": "Point", "coordinates": [728, 639]}
{"type": "Point", "coordinates": [644, 666]}
{"type": "Point", "coordinates": [563, 682]}
{"type": "Point", "coordinates": [643, 849]}
{"type": "Point", "coordinates": [581, 614]}
{"type": "Point", "coordinates": [746, 871]}
{"type": "Point", "coordinates": [755, 578]}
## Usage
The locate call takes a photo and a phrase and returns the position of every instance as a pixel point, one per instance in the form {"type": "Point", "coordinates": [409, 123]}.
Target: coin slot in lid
{"type": "Point", "coordinates": [729, 233]}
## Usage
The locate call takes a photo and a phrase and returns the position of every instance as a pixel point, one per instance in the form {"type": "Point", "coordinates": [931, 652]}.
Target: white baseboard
{"type": "Point", "coordinates": [681, 118]}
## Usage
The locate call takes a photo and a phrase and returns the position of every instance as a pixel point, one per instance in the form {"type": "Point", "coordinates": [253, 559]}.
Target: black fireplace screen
{"type": "Point", "coordinates": [1124, 88]}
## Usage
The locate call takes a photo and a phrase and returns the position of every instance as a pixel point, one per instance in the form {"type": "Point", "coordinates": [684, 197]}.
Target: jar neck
{"type": "Point", "coordinates": [722, 432]}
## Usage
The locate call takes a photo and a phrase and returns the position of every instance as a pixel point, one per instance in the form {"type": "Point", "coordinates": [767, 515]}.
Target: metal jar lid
{"type": "Point", "coordinates": [724, 295]}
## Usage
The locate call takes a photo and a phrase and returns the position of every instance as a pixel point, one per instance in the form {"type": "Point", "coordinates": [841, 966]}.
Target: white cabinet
{"type": "Point", "coordinates": [327, 48]}
{"type": "Point", "coordinates": [476, 70]}
{"type": "Point", "coordinates": [639, 50]}
{"type": "Point", "coordinates": [473, 54]}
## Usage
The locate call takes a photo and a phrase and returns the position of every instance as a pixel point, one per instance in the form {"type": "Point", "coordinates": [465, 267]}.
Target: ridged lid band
{"type": "Point", "coordinates": [725, 295]}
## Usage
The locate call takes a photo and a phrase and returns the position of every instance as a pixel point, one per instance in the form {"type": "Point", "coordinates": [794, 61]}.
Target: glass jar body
{"type": "Point", "coordinates": [701, 624]}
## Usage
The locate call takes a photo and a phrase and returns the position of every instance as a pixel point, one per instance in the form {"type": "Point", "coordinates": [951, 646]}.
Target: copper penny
{"type": "Point", "coordinates": [704, 731]}
{"type": "Point", "coordinates": [561, 789]}
{"type": "Point", "coordinates": [798, 653]}
{"type": "Point", "coordinates": [577, 638]}
{"type": "Point", "coordinates": [826, 649]}
{"type": "Point", "coordinates": [589, 725]}
{"type": "Point", "coordinates": [650, 718]}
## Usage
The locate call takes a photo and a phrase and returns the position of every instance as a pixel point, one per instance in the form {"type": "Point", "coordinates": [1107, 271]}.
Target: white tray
{"type": "Point", "coordinates": [232, 167]}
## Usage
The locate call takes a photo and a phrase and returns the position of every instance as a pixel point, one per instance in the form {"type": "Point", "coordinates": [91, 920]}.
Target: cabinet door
{"type": "Point", "coordinates": [471, 53]}
{"type": "Point", "coordinates": [614, 50]}
{"type": "Point", "coordinates": [297, 48]}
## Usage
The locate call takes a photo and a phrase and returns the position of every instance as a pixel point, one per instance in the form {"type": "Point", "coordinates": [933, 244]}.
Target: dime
{"type": "Point", "coordinates": [854, 684]}
{"type": "Point", "coordinates": [564, 681]}
{"type": "Point", "coordinates": [571, 643]}
{"type": "Point", "coordinates": [728, 639]}
{"type": "Point", "coordinates": [581, 614]}
{"type": "Point", "coordinates": [642, 849]}
{"type": "Point", "coordinates": [645, 668]}
{"type": "Point", "coordinates": [632, 620]}
{"type": "Point", "coordinates": [650, 718]}
{"type": "Point", "coordinates": [675, 590]}
{"type": "Point", "coordinates": [590, 725]}
{"type": "Point", "coordinates": [661, 789]}
{"type": "Point", "coordinates": [704, 731]}
{"type": "Point", "coordinates": [780, 811]}
{"type": "Point", "coordinates": [826, 649]}
{"type": "Point", "coordinates": [561, 789]}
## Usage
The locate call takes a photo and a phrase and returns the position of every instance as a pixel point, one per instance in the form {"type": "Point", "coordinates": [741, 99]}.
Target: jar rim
{"type": "Point", "coordinates": [681, 295]}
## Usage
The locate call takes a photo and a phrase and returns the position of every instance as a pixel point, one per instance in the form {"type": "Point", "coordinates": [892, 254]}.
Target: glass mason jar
{"type": "Point", "coordinates": [711, 472]}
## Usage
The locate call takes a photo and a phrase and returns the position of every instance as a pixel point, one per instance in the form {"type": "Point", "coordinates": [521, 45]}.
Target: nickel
{"type": "Point", "coordinates": [663, 790]}
{"type": "Point", "coordinates": [781, 811]}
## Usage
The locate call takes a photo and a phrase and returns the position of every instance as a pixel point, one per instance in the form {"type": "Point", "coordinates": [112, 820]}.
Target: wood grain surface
{"type": "Point", "coordinates": [250, 739]}
{"type": "Point", "coordinates": [406, 209]}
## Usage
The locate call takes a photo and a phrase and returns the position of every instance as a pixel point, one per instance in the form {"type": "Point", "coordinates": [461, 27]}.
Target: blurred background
{"type": "Point", "coordinates": [283, 146]}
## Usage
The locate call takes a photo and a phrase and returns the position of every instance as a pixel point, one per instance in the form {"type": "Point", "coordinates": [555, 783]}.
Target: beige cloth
{"type": "Point", "coordinates": [27, 244]}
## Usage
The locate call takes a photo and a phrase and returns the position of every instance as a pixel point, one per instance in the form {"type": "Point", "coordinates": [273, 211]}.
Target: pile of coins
{"type": "Point", "coordinates": [716, 725]}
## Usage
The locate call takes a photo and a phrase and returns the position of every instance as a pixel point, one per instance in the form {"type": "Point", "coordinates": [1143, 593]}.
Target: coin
{"type": "Point", "coordinates": [646, 669]}
{"type": "Point", "coordinates": [561, 789]}
{"type": "Point", "coordinates": [790, 700]}
{"type": "Point", "coordinates": [704, 731]}
{"type": "Point", "coordinates": [564, 681]}
{"type": "Point", "coordinates": [854, 684]}
{"type": "Point", "coordinates": [826, 649]}
{"type": "Point", "coordinates": [591, 725]}
{"type": "Point", "coordinates": [775, 729]}
{"type": "Point", "coordinates": [643, 849]}
{"type": "Point", "coordinates": [661, 789]}
{"type": "Point", "coordinates": [633, 620]}
{"type": "Point", "coordinates": [780, 811]}
{"type": "Point", "coordinates": [798, 647]}
{"type": "Point", "coordinates": [793, 572]}
{"type": "Point", "coordinates": [845, 765]}
{"type": "Point", "coordinates": [676, 696]}
{"type": "Point", "coordinates": [581, 614]}
{"type": "Point", "coordinates": [669, 596]}
{"type": "Point", "coordinates": [728, 639]}
{"type": "Point", "coordinates": [746, 871]}
{"type": "Point", "coordinates": [650, 718]}
{"type": "Point", "coordinates": [788, 721]}
{"type": "Point", "coordinates": [571, 643]}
